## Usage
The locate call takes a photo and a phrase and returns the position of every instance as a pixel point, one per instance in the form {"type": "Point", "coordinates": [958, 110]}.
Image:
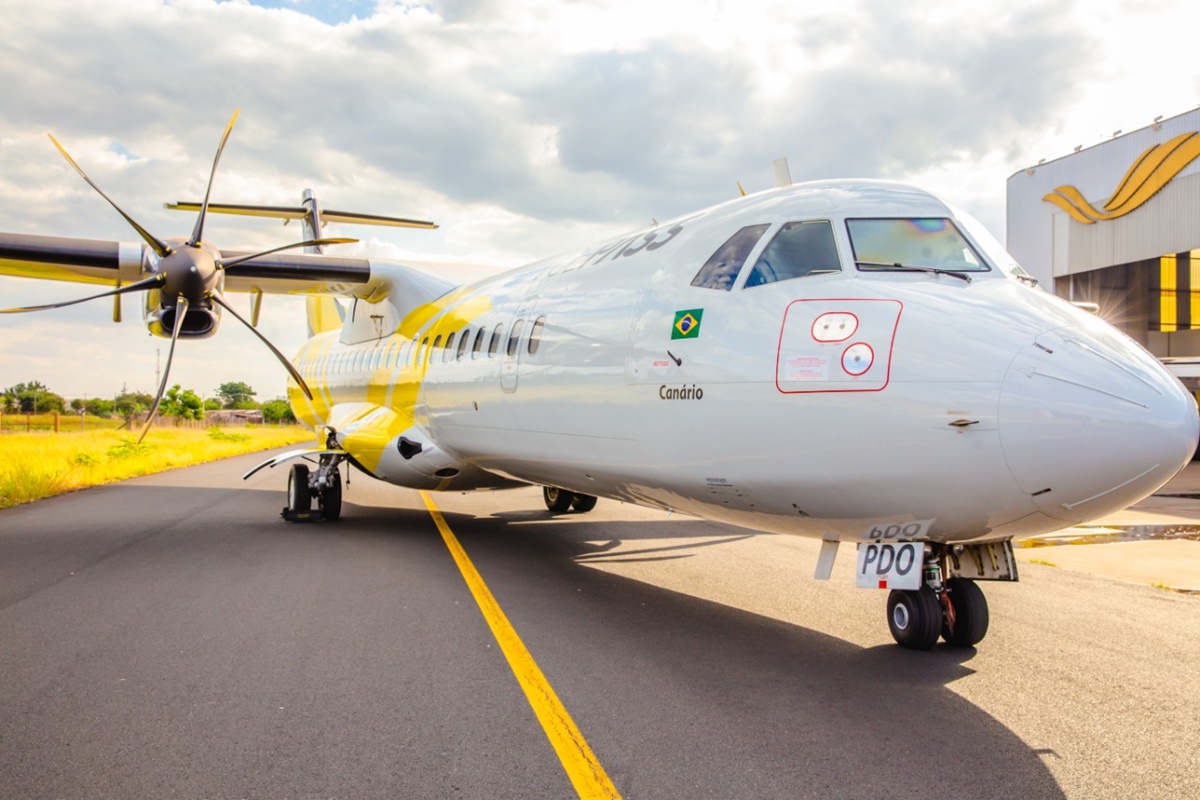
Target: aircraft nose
{"type": "Point", "coordinates": [1091, 423]}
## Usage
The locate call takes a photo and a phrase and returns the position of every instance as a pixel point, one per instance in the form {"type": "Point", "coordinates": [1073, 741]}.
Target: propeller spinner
{"type": "Point", "coordinates": [187, 278]}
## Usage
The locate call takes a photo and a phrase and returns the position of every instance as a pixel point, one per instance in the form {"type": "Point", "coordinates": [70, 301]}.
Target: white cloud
{"type": "Point", "coordinates": [524, 127]}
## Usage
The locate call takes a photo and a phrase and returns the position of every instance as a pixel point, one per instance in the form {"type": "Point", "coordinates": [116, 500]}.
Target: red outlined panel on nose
{"type": "Point", "coordinates": [837, 345]}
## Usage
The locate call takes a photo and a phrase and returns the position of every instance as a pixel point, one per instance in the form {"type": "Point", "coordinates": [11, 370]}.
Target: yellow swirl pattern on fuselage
{"type": "Point", "coordinates": [369, 406]}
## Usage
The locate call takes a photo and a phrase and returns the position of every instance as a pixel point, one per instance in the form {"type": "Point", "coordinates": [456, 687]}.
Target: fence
{"type": "Point", "coordinates": [69, 423]}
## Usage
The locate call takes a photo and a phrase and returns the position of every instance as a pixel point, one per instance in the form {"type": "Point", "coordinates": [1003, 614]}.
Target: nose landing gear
{"type": "Point", "coordinates": [954, 610]}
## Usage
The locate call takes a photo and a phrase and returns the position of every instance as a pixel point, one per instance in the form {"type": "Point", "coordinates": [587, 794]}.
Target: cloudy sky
{"type": "Point", "coordinates": [523, 127]}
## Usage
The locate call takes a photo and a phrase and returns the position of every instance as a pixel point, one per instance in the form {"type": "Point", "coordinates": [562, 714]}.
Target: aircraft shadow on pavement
{"type": "Point", "coordinates": [844, 721]}
{"type": "Point", "coordinates": [804, 708]}
{"type": "Point", "coordinates": [797, 707]}
{"type": "Point", "coordinates": [655, 678]}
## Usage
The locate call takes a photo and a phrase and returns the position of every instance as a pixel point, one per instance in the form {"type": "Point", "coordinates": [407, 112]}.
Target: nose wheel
{"type": "Point", "coordinates": [958, 614]}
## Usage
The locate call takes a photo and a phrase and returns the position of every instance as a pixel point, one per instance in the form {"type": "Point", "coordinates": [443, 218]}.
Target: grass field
{"type": "Point", "coordinates": [37, 465]}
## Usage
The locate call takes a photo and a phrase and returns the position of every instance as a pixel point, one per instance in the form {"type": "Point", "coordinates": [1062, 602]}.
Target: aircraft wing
{"type": "Point", "coordinates": [107, 262]}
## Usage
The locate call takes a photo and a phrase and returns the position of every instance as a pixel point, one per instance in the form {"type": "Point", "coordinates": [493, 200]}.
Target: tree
{"type": "Point", "coordinates": [98, 406]}
{"type": "Point", "coordinates": [236, 394]}
{"type": "Point", "coordinates": [129, 403]}
{"type": "Point", "coordinates": [277, 411]}
{"type": "Point", "coordinates": [184, 404]}
{"type": "Point", "coordinates": [32, 398]}
{"type": "Point", "coordinates": [212, 404]}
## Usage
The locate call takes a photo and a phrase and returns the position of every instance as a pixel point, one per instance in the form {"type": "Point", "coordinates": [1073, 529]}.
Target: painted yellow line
{"type": "Point", "coordinates": [581, 765]}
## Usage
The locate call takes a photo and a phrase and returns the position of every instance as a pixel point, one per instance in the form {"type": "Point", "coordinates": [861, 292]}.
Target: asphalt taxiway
{"type": "Point", "coordinates": [170, 636]}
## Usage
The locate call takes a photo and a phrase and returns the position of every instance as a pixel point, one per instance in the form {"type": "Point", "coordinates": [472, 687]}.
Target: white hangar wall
{"type": "Point", "coordinates": [1118, 224]}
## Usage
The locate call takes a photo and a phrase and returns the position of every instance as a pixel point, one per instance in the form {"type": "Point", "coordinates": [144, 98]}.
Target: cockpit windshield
{"type": "Point", "coordinates": [923, 243]}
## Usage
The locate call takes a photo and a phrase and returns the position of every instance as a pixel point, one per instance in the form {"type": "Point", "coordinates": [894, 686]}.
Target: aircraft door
{"type": "Point", "coordinates": [515, 344]}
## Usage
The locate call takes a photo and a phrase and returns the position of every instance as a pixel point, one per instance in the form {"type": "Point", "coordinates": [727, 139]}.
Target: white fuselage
{"type": "Point", "coordinates": [825, 404]}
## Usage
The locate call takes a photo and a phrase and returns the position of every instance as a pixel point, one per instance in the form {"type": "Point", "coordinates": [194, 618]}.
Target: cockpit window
{"type": "Point", "coordinates": [722, 268]}
{"type": "Point", "coordinates": [799, 249]}
{"type": "Point", "coordinates": [928, 243]}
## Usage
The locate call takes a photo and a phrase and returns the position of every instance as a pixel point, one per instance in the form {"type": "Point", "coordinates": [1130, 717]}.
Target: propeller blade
{"type": "Point", "coordinates": [181, 307]}
{"type": "Point", "coordinates": [146, 283]}
{"type": "Point", "coordinates": [117, 304]}
{"type": "Point", "coordinates": [198, 231]}
{"type": "Point", "coordinates": [233, 262]}
{"type": "Point", "coordinates": [156, 244]}
{"type": "Point", "coordinates": [219, 300]}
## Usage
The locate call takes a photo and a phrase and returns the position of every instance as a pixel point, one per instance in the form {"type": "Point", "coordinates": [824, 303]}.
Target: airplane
{"type": "Point", "coordinates": [853, 361]}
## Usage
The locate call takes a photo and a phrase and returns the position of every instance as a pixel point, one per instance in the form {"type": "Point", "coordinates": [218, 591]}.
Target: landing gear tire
{"type": "Point", "coordinates": [582, 503]}
{"type": "Point", "coordinates": [557, 500]}
{"type": "Point", "coordinates": [915, 618]}
{"type": "Point", "coordinates": [299, 498]}
{"type": "Point", "coordinates": [331, 496]}
{"type": "Point", "coordinates": [970, 613]}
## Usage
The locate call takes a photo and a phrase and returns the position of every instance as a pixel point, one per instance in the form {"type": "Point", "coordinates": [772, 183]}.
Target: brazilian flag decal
{"type": "Point", "coordinates": [687, 324]}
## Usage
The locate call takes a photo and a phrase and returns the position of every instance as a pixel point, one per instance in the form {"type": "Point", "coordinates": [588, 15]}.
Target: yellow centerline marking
{"type": "Point", "coordinates": [581, 765]}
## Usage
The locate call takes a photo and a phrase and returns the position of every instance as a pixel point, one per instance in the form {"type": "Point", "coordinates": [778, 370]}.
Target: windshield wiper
{"type": "Point", "coordinates": [911, 268]}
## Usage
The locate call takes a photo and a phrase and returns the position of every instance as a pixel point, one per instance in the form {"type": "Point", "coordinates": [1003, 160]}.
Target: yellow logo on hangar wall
{"type": "Point", "coordinates": [1152, 170]}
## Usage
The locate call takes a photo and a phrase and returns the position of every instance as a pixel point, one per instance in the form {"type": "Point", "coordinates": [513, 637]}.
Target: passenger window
{"type": "Point", "coordinates": [462, 344]}
{"type": "Point", "coordinates": [478, 346]}
{"type": "Point", "coordinates": [494, 344]}
{"type": "Point", "coordinates": [515, 337]}
{"type": "Point", "coordinates": [799, 249]}
{"type": "Point", "coordinates": [722, 268]}
{"type": "Point", "coordinates": [535, 334]}
{"type": "Point", "coordinates": [424, 349]}
{"type": "Point", "coordinates": [449, 349]}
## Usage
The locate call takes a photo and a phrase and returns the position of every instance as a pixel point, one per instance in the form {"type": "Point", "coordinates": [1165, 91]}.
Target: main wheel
{"type": "Point", "coordinates": [970, 613]}
{"type": "Point", "coordinates": [299, 498]}
{"type": "Point", "coordinates": [331, 497]}
{"type": "Point", "coordinates": [582, 503]}
{"type": "Point", "coordinates": [914, 617]}
{"type": "Point", "coordinates": [557, 500]}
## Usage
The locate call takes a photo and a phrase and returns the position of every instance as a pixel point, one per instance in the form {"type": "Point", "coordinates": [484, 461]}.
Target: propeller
{"type": "Point", "coordinates": [187, 274]}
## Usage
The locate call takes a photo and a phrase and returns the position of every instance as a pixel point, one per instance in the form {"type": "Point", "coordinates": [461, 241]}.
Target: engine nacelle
{"type": "Point", "coordinates": [200, 322]}
{"type": "Point", "coordinates": [189, 272]}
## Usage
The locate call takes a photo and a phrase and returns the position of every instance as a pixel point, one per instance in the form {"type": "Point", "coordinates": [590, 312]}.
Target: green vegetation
{"type": "Point", "coordinates": [30, 398]}
{"type": "Point", "coordinates": [97, 442]}
{"type": "Point", "coordinates": [34, 400]}
{"type": "Point", "coordinates": [184, 404]}
{"type": "Point", "coordinates": [236, 394]}
{"type": "Point", "coordinates": [277, 412]}
{"type": "Point", "coordinates": [37, 465]}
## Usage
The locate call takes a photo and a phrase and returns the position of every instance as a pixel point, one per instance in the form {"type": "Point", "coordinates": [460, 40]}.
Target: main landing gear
{"type": "Point", "coordinates": [560, 501]}
{"type": "Point", "coordinates": [954, 610]}
{"type": "Point", "coordinates": [324, 484]}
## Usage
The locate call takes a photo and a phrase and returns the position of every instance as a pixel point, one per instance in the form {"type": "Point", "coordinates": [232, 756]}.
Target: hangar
{"type": "Point", "coordinates": [1117, 225]}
